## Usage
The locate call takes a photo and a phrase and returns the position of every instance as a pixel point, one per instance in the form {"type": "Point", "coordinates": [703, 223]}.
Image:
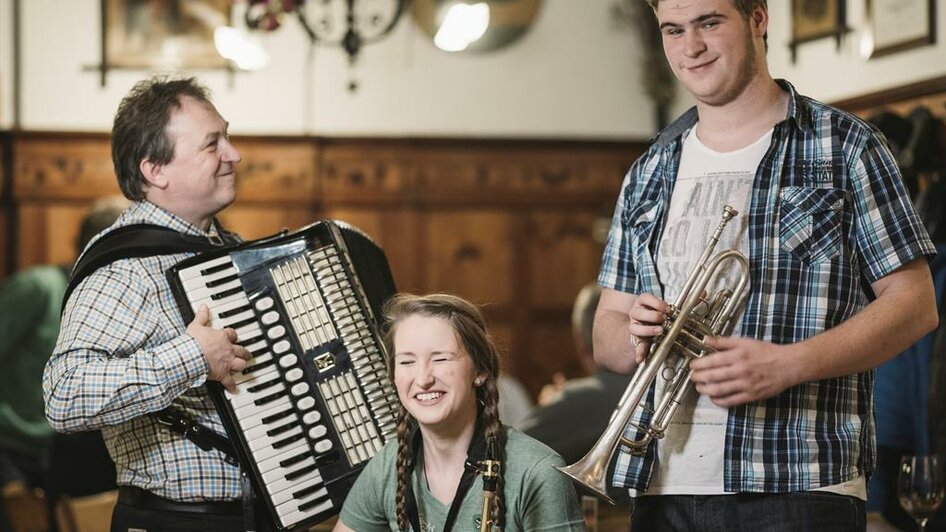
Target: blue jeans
{"type": "Point", "coordinates": [808, 511]}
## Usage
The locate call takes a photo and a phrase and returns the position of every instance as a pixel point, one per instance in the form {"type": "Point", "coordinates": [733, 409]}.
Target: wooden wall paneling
{"type": "Point", "coordinates": [254, 221]}
{"type": "Point", "coordinates": [55, 167]}
{"type": "Point", "coordinates": [903, 99]}
{"type": "Point", "coordinates": [365, 172]}
{"type": "Point", "coordinates": [277, 171]}
{"type": "Point", "coordinates": [47, 232]}
{"type": "Point", "coordinates": [552, 349]}
{"type": "Point", "coordinates": [564, 255]}
{"type": "Point", "coordinates": [470, 253]}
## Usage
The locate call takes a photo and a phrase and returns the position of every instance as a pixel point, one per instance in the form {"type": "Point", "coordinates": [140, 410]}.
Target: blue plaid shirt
{"type": "Point", "coordinates": [122, 354]}
{"type": "Point", "coordinates": [828, 216]}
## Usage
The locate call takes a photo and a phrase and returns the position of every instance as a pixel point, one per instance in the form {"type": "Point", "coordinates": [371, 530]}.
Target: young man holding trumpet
{"type": "Point", "coordinates": [780, 435]}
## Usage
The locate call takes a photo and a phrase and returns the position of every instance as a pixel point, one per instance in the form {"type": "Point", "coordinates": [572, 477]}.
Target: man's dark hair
{"type": "Point", "coordinates": [140, 128]}
{"type": "Point", "coordinates": [744, 6]}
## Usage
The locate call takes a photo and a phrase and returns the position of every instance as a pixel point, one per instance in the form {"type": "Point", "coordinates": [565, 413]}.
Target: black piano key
{"type": "Point", "coordinates": [280, 429]}
{"type": "Point", "coordinates": [286, 441]}
{"type": "Point", "coordinates": [270, 398]}
{"type": "Point", "coordinates": [314, 502]}
{"type": "Point", "coordinates": [227, 293]}
{"type": "Point", "coordinates": [232, 312]}
{"type": "Point", "coordinates": [263, 386]}
{"type": "Point", "coordinates": [249, 321]}
{"type": "Point", "coordinates": [257, 367]}
{"type": "Point", "coordinates": [300, 472]}
{"type": "Point", "coordinates": [215, 269]}
{"type": "Point", "coordinates": [295, 459]}
{"type": "Point", "coordinates": [306, 491]}
{"type": "Point", "coordinates": [222, 280]}
{"type": "Point", "coordinates": [279, 415]}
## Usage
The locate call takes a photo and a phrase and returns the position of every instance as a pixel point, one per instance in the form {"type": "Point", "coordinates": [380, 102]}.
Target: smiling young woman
{"type": "Point", "coordinates": [445, 368]}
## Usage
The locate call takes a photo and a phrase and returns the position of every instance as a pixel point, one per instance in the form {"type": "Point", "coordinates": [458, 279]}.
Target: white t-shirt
{"type": "Point", "coordinates": [690, 457]}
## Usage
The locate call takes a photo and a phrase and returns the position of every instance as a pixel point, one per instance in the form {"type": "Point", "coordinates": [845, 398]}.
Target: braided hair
{"type": "Point", "coordinates": [470, 328]}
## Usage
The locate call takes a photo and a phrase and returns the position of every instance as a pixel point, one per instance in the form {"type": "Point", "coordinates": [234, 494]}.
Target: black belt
{"type": "Point", "coordinates": [139, 498]}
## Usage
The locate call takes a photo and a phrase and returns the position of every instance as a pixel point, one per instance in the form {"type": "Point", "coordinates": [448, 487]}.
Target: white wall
{"type": "Point", "coordinates": [6, 64]}
{"type": "Point", "coordinates": [575, 75]}
{"type": "Point", "coordinates": [829, 74]}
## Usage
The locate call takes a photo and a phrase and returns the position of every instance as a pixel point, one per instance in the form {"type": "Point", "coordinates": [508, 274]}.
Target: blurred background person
{"type": "Point", "coordinates": [587, 402]}
{"type": "Point", "coordinates": [30, 305]}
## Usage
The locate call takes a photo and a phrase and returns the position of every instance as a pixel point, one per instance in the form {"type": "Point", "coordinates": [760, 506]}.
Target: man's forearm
{"type": "Point", "coordinates": [901, 315]}
{"type": "Point", "coordinates": [612, 342]}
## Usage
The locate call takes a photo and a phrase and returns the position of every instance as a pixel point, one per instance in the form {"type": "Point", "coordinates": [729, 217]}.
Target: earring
{"type": "Point", "coordinates": [477, 381]}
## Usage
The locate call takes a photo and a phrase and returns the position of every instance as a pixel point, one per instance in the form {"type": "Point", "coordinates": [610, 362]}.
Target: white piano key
{"type": "Point", "coordinates": [204, 295]}
{"type": "Point", "coordinates": [265, 441]}
{"type": "Point", "coordinates": [282, 472]}
{"type": "Point", "coordinates": [201, 282]}
{"type": "Point", "coordinates": [299, 515]}
{"type": "Point", "coordinates": [254, 419]}
{"type": "Point", "coordinates": [272, 463]}
{"type": "Point", "coordinates": [265, 453]}
{"type": "Point", "coordinates": [246, 398]}
{"type": "Point", "coordinates": [289, 503]}
{"type": "Point", "coordinates": [260, 431]}
{"type": "Point", "coordinates": [195, 271]}
{"type": "Point", "coordinates": [278, 489]}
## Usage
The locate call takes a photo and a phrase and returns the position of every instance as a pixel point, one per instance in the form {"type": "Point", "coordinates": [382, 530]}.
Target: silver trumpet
{"type": "Point", "coordinates": [689, 321]}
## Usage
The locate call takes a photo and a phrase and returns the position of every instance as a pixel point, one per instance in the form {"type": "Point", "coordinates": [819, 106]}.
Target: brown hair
{"type": "Point", "coordinates": [745, 7]}
{"type": "Point", "coordinates": [140, 128]}
{"type": "Point", "coordinates": [470, 328]}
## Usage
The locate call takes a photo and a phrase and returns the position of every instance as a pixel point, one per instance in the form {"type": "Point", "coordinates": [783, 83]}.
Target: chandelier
{"type": "Point", "coordinates": [351, 24]}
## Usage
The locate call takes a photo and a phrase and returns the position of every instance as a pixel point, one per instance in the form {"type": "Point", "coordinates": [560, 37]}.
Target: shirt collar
{"type": "Point", "coordinates": [145, 211]}
{"type": "Point", "coordinates": [798, 114]}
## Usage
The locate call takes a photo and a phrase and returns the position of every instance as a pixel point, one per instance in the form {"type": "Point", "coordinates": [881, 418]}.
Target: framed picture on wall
{"type": "Point", "coordinates": [816, 19]}
{"type": "Point", "coordinates": [897, 25]}
{"type": "Point", "coordinates": [163, 34]}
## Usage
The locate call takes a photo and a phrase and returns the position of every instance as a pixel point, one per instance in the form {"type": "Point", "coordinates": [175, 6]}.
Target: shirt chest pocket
{"type": "Point", "coordinates": [810, 222]}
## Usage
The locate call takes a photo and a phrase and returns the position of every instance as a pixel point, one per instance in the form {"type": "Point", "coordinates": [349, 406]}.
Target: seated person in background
{"type": "Point", "coordinates": [30, 302]}
{"type": "Point", "coordinates": [514, 401]}
{"type": "Point", "coordinates": [445, 369]}
{"type": "Point", "coordinates": [587, 402]}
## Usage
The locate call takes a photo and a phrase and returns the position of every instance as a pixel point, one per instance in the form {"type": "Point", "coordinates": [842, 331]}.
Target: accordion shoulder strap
{"type": "Point", "coordinates": [149, 240]}
{"type": "Point", "coordinates": [133, 241]}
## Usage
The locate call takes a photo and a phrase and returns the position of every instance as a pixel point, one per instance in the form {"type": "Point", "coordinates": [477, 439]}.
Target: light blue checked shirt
{"type": "Point", "coordinates": [828, 216]}
{"type": "Point", "coordinates": [122, 354]}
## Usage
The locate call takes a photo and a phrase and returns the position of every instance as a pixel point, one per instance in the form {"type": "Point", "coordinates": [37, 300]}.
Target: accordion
{"type": "Point", "coordinates": [314, 402]}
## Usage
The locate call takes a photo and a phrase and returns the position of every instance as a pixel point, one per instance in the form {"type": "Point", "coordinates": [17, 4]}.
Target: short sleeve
{"type": "Point", "coordinates": [888, 231]}
{"type": "Point", "coordinates": [549, 499]}
{"type": "Point", "coordinates": [364, 508]}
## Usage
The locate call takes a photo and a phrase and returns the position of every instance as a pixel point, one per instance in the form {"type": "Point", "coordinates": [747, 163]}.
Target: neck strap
{"type": "Point", "coordinates": [474, 455]}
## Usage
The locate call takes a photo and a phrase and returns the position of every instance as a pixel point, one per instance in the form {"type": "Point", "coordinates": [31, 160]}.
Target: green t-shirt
{"type": "Point", "coordinates": [538, 497]}
{"type": "Point", "coordinates": [29, 325]}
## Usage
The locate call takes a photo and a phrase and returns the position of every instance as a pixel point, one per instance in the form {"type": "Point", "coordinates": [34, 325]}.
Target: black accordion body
{"type": "Point", "coordinates": [314, 403]}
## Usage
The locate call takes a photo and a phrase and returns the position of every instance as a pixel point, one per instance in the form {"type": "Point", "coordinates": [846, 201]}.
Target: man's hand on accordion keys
{"type": "Point", "coordinates": [223, 354]}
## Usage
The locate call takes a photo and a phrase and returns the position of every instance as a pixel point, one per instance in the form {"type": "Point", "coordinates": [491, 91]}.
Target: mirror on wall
{"type": "Point", "coordinates": [474, 26]}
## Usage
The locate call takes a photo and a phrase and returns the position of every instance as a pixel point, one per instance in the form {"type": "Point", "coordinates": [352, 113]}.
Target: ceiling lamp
{"type": "Point", "coordinates": [350, 24]}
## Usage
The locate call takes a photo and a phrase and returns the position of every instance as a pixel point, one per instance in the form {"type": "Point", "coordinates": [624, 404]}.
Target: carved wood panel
{"type": "Point", "coordinates": [470, 254]}
{"type": "Point", "coordinates": [47, 167]}
{"type": "Point", "coordinates": [506, 224]}
{"type": "Point", "coordinates": [276, 171]}
{"type": "Point", "coordinates": [563, 254]}
{"type": "Point", "coordinates": [252, 221]}
{"type": "Point", "coordinates": [47, 232]}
